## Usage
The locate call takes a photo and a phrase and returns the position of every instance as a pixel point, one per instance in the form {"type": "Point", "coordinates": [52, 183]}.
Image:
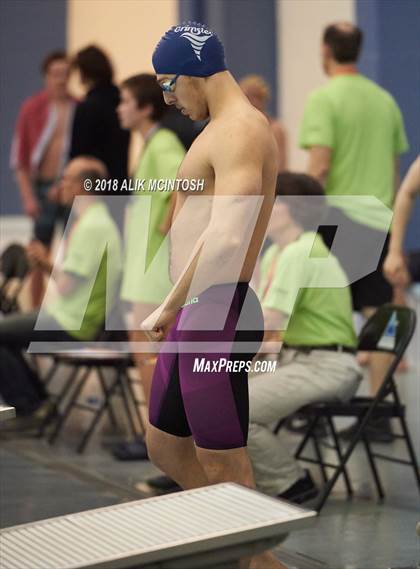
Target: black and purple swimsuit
{"type": "Point", "coordinates": [200, 382]}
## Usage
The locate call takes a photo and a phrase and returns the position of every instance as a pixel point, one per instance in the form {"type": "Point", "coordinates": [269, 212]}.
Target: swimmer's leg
{"type": "Point", "coordinates": [145, 362]}
{"type": "Point", "coordinates": [231, 465]}
{"type": "Point", "coordinates": [176, 457]}
{"type": "Point", "coordinates": [169, 443]}
{"type": "Point", "coordinates": [234, 465]}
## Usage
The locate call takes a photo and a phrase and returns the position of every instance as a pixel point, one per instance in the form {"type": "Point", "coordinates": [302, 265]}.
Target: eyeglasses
{"type": "Point", "coordinates": [169, 86]}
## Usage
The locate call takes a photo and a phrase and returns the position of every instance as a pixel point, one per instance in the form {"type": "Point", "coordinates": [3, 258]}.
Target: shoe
{"type": "Point", "coordinates": [376, 431]}
{"type": "Point", "coordinates": [163, 483]}
{"type": "Point", "coordinates": [301, 491]}
{"type": "Point", "coordinates": [158, 485]}
{"type": "Point", "coordinates": [131, 450]}
{"type": "Point", "coordinates": [299, 423]}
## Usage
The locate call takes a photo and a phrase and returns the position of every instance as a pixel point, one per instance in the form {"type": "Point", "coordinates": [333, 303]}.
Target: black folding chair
{"type": "Point", "coordinates": [389, 330]}
{"type": "Point", "coordinates": [82, 364]}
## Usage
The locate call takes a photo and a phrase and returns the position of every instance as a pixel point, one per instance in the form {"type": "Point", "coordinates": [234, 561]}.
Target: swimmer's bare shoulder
{"type": "Point", "coordinates": [243, 152]}
{"type": "Point", "coordinates": [245, 163]}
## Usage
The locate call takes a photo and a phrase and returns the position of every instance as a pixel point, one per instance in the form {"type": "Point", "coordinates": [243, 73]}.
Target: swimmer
{"type": "Point", "coordinates": [199, 421]}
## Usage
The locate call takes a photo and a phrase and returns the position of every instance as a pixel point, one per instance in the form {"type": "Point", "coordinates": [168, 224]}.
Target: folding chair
{"type": "Point", "coordinates": [389, 330]}
{"type": "Point", "coordinates": [82, 364]}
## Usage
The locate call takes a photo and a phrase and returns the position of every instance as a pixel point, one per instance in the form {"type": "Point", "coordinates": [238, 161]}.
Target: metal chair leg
{"type": "Point", "coordinates": [347, 482]}
{"type": "Point", "coordinates": [306, 437]}
{"type": "Point", "coordinates": [51, 372]}
{"type": "Point", "coordinates": [47, 381]}
{"type": "Point", "coordinates": [126, 402]}
{"type": "Point", "coordinates": [373, 468]}
{"type": "Point", "coordinates": [320, 459]}
{"type": "Point", "coordinates": [348, 452]}
{"type": "Point", "coordinates": [406, 433]}
{"type": "Point", "coordinates": [60, 423]}
{"type": "Point", "coordinates": [105, 390]}
{"type": "Point", "coordinates": [105, 405]}
{"type": "Point", "coordinates": [411, 451]}
{"type": "Point", "coordinates": [130, 391]}
{"type": "Point", "coordinates": [68, 385]}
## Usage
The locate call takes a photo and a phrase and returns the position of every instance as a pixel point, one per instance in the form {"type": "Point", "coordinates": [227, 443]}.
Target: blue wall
{"type": "Point", "coordinates": [391, 57]}
{"type": "Point", "coordinates": [29, 29]}
{"type": "Point", "coordinates": [247, 29]}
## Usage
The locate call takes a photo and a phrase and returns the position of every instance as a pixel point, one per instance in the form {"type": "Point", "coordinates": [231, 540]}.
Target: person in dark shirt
{"type": "Point", "coordinates": [96, 129]}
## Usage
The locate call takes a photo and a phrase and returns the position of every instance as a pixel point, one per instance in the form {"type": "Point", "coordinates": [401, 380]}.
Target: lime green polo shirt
{"type": "Point", "coordinates": [363, 126]}
{"type": "Point", "coordinates": [99, 274]}
{"type": "Point", "coordinates": [318, 315]}
{"type": "Point", "coordinates": [160, 159]}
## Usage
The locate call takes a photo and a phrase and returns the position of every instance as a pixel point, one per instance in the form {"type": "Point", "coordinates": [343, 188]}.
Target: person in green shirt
{"type": "Point", "coordinates": [306, 302]}
{"type": "Point", "coordinates": [92, 258]}
{"type": "Point", "coordinates": [82, 286]}
{"type": "Point", "coordinates": [354, 132]}
{"type": "Point", "coordinates": [146, 281]}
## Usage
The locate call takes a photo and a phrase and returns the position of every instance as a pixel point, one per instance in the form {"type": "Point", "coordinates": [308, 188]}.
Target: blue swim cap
{"type": "Point", "coordinates": [189, 49]}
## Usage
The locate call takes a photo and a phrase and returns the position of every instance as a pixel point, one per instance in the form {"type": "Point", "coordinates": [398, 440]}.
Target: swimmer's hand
{"type": "Point", "coordinates": [157, 325]}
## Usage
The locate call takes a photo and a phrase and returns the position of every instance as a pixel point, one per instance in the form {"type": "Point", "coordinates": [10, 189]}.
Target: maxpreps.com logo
{"type": "Point", "coordinates": [196, 36]}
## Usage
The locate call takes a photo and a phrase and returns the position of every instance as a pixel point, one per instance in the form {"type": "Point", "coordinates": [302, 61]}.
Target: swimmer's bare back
{"type": "Point", "coordinates": [236, 155]}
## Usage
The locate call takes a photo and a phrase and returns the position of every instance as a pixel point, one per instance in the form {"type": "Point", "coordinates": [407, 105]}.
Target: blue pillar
{"type": "Point", "coordinates": [247, 29]}
{"type": "Point", "coordinates": [391, 57]}
{"type": "Point", "coordinates": [192, 10]}
{"type": "Point", "coordinates": [29, 30]}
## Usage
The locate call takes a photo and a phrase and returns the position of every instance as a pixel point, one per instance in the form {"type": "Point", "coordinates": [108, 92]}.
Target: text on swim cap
{"type": "Point", "coordinates": [192, 30]}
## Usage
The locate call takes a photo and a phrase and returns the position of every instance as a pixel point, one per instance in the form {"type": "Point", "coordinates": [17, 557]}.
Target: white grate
{"type": "Point", "coordinates": [153, 529]}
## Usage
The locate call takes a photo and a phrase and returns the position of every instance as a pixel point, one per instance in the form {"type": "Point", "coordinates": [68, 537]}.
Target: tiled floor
{"type": "Point", "coordinates": [38, 481]}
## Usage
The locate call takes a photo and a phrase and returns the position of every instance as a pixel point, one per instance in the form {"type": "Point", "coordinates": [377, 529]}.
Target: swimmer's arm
{"type": "Point", "coordinates": [167, 221]}
{"type": "Point", "coordinates": [319, 163]}
{"type": "Point", "coordinates": [238, 175]}
{"type": "Point", "coordinates": [281, 139]}
{"type": "Point", "coordinates": [238, 198]}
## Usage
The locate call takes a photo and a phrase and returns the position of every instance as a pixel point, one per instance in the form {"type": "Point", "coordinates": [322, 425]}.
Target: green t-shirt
{"type": "Point", "coordinates": [293, 282]}
{"type": "Point", "coordinates": [94, 254]}
{"type": "Point", "coordinates": [160, 159]}
{"type": "Point", "coordinates": [363, 126]}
